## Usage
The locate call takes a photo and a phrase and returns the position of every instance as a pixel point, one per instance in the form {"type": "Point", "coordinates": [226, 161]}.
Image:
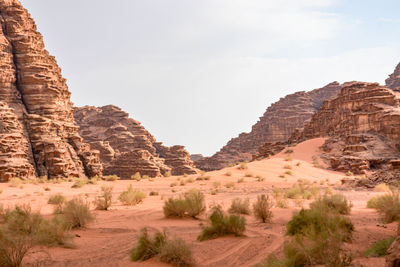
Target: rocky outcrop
{"type": "Point", "coordinates": [126, 147]}
{"type": "Point", "coordinates": [36, 107]}
{"type": "Point", "coordinates": [363, 123]}
{"type": "Point", "coordinates": [393, 82]}
{"type": "Point", "coordinates": [276, 125]}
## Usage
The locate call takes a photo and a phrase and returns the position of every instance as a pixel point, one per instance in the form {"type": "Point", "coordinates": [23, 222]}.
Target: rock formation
{"type": "Point", "coordinates": [126, 147]}
{"type": "Point", "coordinates": [38, 134]}
{"type": "Point", "coordinates": [363, 126]}
{"type": "Point", "coordinates": [276, 125]}
{"type": "Point", "coordinates": [393, 82]}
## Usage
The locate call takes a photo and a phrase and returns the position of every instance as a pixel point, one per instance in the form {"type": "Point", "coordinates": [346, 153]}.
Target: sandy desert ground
{"type": "Point", "coordinates": [108, 240]}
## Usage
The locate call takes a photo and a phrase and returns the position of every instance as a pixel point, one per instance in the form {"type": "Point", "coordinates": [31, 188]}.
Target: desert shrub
{"type": "Point", "coordinates": [240, 206]}
{"type": "Point", "coordinates": [248, 174]}
{"type": "Point", "coordinates": [287, 167]}
{"type": "Point", "coordinates": [203, 177]}
{"type": "Point", "coordinates": [55, 232]}
{"type": "Point", "coordinates": [337, 203]}
{"type": "Point", "coordinates": [222, 224]}
{"type": "Point", "coordinates": [172, 251]}
{"type": "Point", "coordinates": [388, 206]}
{"type": "Point", "coordinates": [315, 162]}
{"type": "Point", "coordinates": [262, 208]}
{"type": "Point", "coordinates": [317, 236]}
{"type": "Point", "coordinates": [242, 166]}
{"type": "Point", "coordinates": [76, 213]}
{"type": "Point", "coordinates": [216, 184]}
{"type": "Point", "coordinates": [382, 188]}
{"type": "Point", "coordinates": [191, 204]}
{"type": "Point", "coordinates": [174, 208]}
{"type": "Point", "coordinates": [153, 193]}
{"type": "Point", "coordinates": [228, 173]}
{"type": "Point", "coordinates": [349, 173]}
{"type": "Point", "coordinates": [195, 203]}
{"type": "Point", "coordinates": [189, 180]}
{"type": "Point", "coordinates": [79, 182]}
{"type": "Point", "coordinates": [56, 199]}
{"type": "Point", "coordinates": [147, 247]}
{"type": "Point", "coordinates": [302, 189]}
{"type": "Point", "coordinates": [111, 178]}
{"type": "Point", "coordinates": [177, 253]}
{"type": "Point", "coordinates": [136, 176]}
{"type": "Point", "coordinates": [229, 185]}
{"type": "Point", "coordinates": [241, 180]}
{"type": "Point", "coordinates": [21, 229]}
{"type": "Point", "coordinates": [131, 197]}
{"type": "Point", "coordinates": [379, 249]}
{"type": "Point", "coordinates": [260, 178]}
{"type": "Point", "coordinates": [15, 182]}
{"type": "Point", "coordinates": [167, 174]}
{"type": "Point", "coordinates": [289, 172]}
{"type": "Point", "coordinates": [320, 221]}
{"type": "Point", "coordinates": [173, 184]}
{"type": "Point", "coordinates": [280, 199]}
{"type": "Point", "coordinates": [103, 202]}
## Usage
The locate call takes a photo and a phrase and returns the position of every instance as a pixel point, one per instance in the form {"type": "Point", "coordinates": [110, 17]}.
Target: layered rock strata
{"type": "Point", "coordinates": [36, 106]}
{"type": "Point", "coordinates": [276, 125]}
{"type": "Point", "coordinates": [393, 81]}
{"type": "Point", "coordinates": [126, 146]}
{"type": "Point", "coordinates": [363, 126]}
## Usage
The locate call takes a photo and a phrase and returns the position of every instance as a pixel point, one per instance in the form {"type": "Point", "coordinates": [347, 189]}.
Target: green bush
{"type": "Point", "coordinates": [222, 224]}
{"type": "Point", "coordinates": [379, 249]}
{"type": "Point", "coordinates": [240, 206]}
{"type": "Point", "coordinates": [56, 199]}
{"type": "Point", "coordinates": [111, 178]}
{"type": "Point", "coordinates": [173, 251]}
{"type": "Point", "coordinates": [174, 208]}
{"type": "Point", "coordinates": [195, 203]}
{"type": "Point", "coordinates": [192, 204]}
{"type": "Point", "coordinates": [76, 213]}
{"type": "Point", "coordinates": [388, 206]}
{"type": "Point", "coordinates": [318, 221]}
{"type": "Point", "coordinates": [21, 229]}
{"type": "Point", "coordinates": [131, 197]}
{"type": "Point", "coordinates": [262, 208]}
{"type": "Point", "coordinates": [103, 202]}
{"type": "Point", "coordinates": [177, 253]}
{"type": "Point", "coordinates": [147, 248]}
{"type": "Point", "coordinates": [337, 203]}
{"type": "Point", "coordinates": [136, 176]}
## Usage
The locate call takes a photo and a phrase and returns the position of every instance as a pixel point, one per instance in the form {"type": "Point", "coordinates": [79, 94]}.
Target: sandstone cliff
{"type": "Point", "coordinates": [362, 125]}
{"type": "Point", "coordinates": [276, 125]}
{"type": "Point", "coordinates": [37, 129]}
{"type": "Point", "coordinates": [393, 82]}
{"type": "Point", "coordinates": [126, 146]}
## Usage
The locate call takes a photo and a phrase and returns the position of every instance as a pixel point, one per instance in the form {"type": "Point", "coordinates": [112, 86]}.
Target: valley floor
{"type": "Point", "coordinates": [108, 240]}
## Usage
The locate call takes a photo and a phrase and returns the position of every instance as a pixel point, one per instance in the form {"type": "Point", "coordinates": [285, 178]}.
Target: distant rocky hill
{"type": "Point", "coordinates": [276, 125]}
{"type": "Point", "coordinates": [38, 136]}
{"type": "Point", "coordinates": [126, 147]}
{"type": "Point", "coordinates": [362, 127]}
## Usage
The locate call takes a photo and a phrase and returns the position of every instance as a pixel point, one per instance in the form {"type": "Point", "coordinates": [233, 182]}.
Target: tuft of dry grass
{"type": "Point", "coordinates": [131, 197]}
{"type": "Point", "coordinates": [136, 176]}
{"type": "Point", "coordinates": [240, 206]}
{"type": "Point", "coordinates": [242, 166]}
{"type": "Point", "coordinates": [228, 173]}
{"type": "Point", "coordinates": [387, 205]}
{"type": "Point", "coordinates": [191, 204]}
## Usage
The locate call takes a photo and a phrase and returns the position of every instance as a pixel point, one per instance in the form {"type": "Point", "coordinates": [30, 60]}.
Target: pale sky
{"type": "Point", "coordinates": [199, 72]}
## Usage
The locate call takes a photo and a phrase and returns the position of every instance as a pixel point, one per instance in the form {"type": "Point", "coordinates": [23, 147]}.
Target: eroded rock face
{"type": "Point", "coordinates": [126, 146]}
{"type": "Point", "coordinates": [363, 123]}
{"type": "Point", "coordinates": [276, 125]}
{"type": "Point", "coordinates": [393, 82]}
{"type": "Point", "coordinates": [36, 106]}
